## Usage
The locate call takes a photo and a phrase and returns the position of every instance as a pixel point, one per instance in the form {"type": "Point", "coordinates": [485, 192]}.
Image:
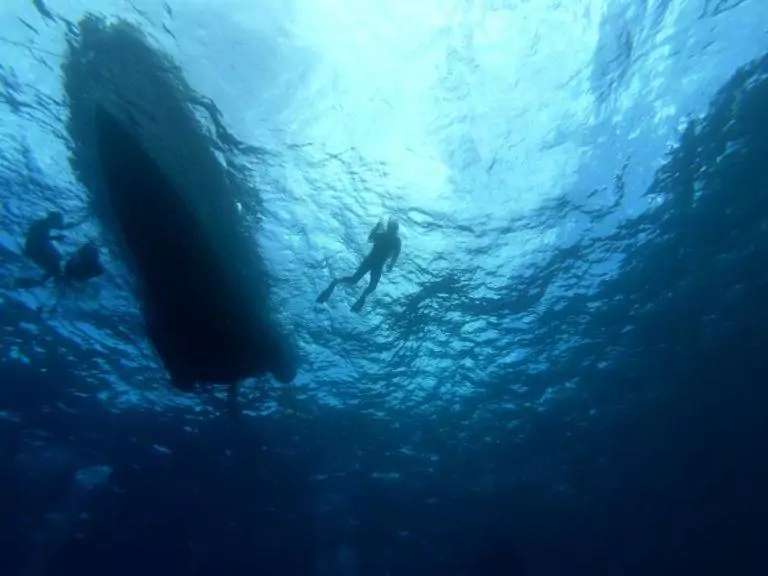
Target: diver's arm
{"type": "Point", "coordinates": [395, 254]}
{"type": "Point", "coordinates": [378, 228]}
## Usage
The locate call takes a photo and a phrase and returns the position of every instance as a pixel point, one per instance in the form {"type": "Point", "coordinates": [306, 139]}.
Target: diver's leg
{"type": "Point", "coordinates": [354, 279]}
{"type": "Point", "coordinates": [27, 283]}
{"type": "Point", "coordinates": [375, 277]}
{"type": "Point", "coordinates": [49, 260]}
{"type": "Point", "coordinates": [361, 271]}
{"type": "Point", "coordinates": [325, 294]}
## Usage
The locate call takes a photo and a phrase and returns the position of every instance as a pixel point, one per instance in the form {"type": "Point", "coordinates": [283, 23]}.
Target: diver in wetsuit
{"type": "Point", "coordinates": [39, 248]}
{"type": "Point", "coordinates": [386, 244]}
{"type": "Point", "coordinates": [82, 266]}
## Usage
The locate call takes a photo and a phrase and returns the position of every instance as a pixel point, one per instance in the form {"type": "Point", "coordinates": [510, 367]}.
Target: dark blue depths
{"type": "Point", "coordinates": [670, 480]}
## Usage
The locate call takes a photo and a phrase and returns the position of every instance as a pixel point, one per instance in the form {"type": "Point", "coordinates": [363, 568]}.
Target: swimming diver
{"type": "Point", "coordinates": [386, 244]}
{"type": "Point", "coordinates": [82, 266]}
{"type": "Point", "coordinates": [39, 248]}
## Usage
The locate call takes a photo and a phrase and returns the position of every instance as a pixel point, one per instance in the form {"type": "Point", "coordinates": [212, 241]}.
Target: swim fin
{"type": "Point", "coordinates": [325, 294]}
{"type": "Point", "coordinates": [357, 306]}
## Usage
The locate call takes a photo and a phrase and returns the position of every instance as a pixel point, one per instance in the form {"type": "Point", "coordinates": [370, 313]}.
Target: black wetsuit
{"type": "Point", "coordinates": [386, 244]}
{"type": "Point", "coordinates": [40, 249]}
{"type": "Point", "coordinates": [83, 265]}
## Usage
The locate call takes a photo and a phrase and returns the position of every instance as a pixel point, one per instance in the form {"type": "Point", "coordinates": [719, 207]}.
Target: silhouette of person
{"type": "Point", "coordinates": [386, 245]}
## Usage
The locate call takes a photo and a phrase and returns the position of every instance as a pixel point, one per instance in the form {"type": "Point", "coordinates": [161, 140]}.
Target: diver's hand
{"type": "Point", "coordinates": [376, 231]}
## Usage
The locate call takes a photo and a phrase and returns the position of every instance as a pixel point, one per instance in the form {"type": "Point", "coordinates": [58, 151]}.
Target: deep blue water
{"type": "Point", "coordinates": [565, 374]}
